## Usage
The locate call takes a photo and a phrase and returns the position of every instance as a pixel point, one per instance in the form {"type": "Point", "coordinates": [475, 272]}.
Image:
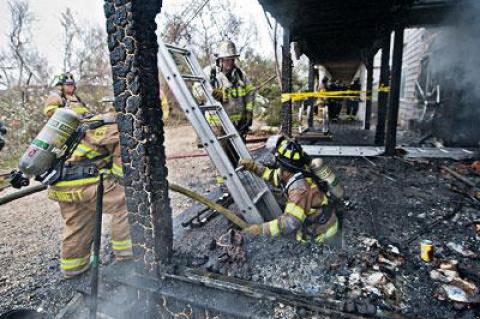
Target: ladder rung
{"type": "Point", "coordinates": [193, 78]}
{"type": "Point", "coordinates": [176, 49]}
{"type": "Point", "coordinates": [227, 136]}
{"type": "Point", "coordinates": [208, 107]}
{"type": "Point", "coordinates": [259, 196]}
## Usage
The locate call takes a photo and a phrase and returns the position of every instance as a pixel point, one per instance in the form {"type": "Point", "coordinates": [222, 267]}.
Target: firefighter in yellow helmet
{"type": "Point", "coordinates": [309, 213]}
{"type": "Point", "coordinates": [75, 192]}
{"type": "Point", "coordinates": [64, 96]}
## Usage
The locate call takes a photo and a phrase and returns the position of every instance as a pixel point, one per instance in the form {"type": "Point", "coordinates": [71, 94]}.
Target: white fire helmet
{"type": "Point", "coordinates": [227, 50]}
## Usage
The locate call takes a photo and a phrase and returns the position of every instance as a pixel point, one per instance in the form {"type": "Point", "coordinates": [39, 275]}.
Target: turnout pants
{"type": "Point", "coordinates": [79, 217]}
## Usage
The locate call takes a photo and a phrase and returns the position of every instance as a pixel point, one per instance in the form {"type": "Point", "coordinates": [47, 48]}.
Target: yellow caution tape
{"type": "Point", "coordinates": [347, 94]}
{"type": "Point", "coordinates": [384, 89]}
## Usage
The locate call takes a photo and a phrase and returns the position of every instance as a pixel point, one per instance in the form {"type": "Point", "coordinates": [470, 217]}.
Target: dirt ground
{"type": "Point", "coordinates": [31, 228]}
{"type": "Point", "coordinates": [394, 202]}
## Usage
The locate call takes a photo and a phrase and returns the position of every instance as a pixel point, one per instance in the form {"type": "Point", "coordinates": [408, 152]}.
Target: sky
{"type": "Point", "coordinates": [47, 32]}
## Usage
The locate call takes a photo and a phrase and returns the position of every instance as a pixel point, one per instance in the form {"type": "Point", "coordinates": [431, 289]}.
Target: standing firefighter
{"type": "Point", "coordinates": [232, 88]}
{"type": "Point", "coordinates": [74, 186]}
{"type": "Point", "coordinates": [64, 96]}
{"type": "Point", "coordinates": [309, 213]}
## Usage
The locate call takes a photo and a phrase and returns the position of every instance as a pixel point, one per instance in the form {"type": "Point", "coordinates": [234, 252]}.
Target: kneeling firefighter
{"type": "Point", "coordinates": [69, 154]}
{"type": "Point", "coordinates": [309, 213]}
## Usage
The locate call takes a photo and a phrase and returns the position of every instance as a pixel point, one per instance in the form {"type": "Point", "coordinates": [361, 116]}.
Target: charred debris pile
{"type": "Point", "coordinates": [395, 205]}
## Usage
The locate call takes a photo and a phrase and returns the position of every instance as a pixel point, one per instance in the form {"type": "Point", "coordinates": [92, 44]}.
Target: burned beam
{"type": "Point", "coordinates": [132, 43]}
{"type": "Point", "coordinates": [382, 94]}
{"type": "Point", "coordinates": [286, 83]}
{"type": "Point", "coordinates": [368, 103]}
{"type": "Point", "coordinates": [201, 292]}
{"type": "Point", "coordinates": [393, 104]}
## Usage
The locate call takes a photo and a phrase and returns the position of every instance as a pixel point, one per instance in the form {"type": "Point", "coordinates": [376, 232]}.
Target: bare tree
{"type": "Point", "coordinates": [204, 23]}
{"type": "Point", "coordinates": [92, 61]}
{"type": "Point", "coordinates": [21, 65]}
{"type": "Point", "coordinates": [70, 32]}
{"type": "Point", "coordinates": [19, 43]}
{"type": "Point", "coordinates": [23, 76]}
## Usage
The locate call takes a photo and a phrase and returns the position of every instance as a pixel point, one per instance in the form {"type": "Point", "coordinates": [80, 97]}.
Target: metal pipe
{"type": "Point", "coordinates": [97, 239]}
{"type": "Point", "coordinates": [286, 83]}
{"type": "Point", "coordinates": [382, 95]}
{"type": "Point", "coordinates": [394, 102]}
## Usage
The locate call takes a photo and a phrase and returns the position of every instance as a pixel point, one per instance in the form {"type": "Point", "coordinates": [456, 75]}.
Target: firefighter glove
{"type": "Point", "coordinates": [254, 230]}
{"type": "Point", "coordinates": [18, 179]}
{"type": "Point", "coordinates": [218, 94]}
{"type": "Point", "coordinates": [248, 164]}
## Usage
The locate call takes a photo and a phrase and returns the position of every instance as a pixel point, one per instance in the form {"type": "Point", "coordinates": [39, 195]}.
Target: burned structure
{"type": "Point", "coordinates": [337, 34]}
{"type": "Point", "coordinates": [343, 35]}
{"type": "Point", "coordinates": [133, 53]}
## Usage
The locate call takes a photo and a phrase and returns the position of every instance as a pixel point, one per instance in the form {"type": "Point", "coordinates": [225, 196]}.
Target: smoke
{"type": "Point", "coordinates": [455, 66]}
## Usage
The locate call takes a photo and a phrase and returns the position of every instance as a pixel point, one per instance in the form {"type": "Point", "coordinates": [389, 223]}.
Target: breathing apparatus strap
{"type": "Point", "coordinates": [298, 176]}
{"type": "Point", "coordinates": [55, 173]}
{"type": "Point", "coordinates": [213, 76]}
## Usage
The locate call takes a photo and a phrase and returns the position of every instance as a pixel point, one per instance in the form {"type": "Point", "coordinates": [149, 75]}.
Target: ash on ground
{"type": "Point", "coordinates": [394, 205]}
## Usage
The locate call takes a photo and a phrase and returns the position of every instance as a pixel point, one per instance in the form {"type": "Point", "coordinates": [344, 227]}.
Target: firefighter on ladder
{"type": "Point", "coordinates": [233, 90]}
{"type": "Point", "coordinates": [309, 213]}
{"type": "Point", "coordinates": [64, 96]}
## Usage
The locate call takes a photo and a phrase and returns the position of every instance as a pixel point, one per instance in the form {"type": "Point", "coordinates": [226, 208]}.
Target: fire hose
{"type": "Point", "coordinates": [98, 225]}
{"type": "Point", "coordinates": [174, 187]}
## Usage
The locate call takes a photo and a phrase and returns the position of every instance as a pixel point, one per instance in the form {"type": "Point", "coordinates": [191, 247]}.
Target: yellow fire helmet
{"type": "Point", "coordinates": [65, 79]}
{"type": "Point", "coordinates": [290, 155]}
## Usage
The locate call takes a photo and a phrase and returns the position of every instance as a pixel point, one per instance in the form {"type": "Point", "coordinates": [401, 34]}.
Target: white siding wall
{"type": "Point", "coordinates": [415, 46]}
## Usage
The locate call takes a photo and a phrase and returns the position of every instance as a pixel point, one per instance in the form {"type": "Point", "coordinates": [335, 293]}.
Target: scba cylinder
{"type": "Point", "coordinates": [325, 173]}
{"type": "Point", "coordinates": [49, 143]}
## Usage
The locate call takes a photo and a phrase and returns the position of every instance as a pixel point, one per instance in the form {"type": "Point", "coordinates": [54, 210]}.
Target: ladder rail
{"type": "Point", "coordinates": [212, 144]}
{"type": "Point", "coordinates": [258, 185]}
{"type": "Point", "coordinates": [271, 208]}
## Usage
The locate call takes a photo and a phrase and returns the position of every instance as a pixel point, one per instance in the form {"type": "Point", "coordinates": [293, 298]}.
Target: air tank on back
{"type": "Point", "coordinates": [49, 143]}
{"type": "Point", "coordinates": [325, 173]}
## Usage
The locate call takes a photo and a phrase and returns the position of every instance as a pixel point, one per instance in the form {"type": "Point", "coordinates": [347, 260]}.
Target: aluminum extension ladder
{"type": "Point", "coordinates": [250, 193]}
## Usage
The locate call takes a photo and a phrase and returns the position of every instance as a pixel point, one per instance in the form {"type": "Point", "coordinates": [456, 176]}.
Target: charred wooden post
{"type": "Point", "coordinates": [368, 103]}
{"type": "Point", "coordinates": [133, 54]}
{"type": "Point", "coordinates": [311, 88]}
{"type": "Point", "coordinates": [286, 83]}
{"type": "Point", "coordinates": [382, 94]}
{"type": "Point", "coordinates": [393, 105]}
